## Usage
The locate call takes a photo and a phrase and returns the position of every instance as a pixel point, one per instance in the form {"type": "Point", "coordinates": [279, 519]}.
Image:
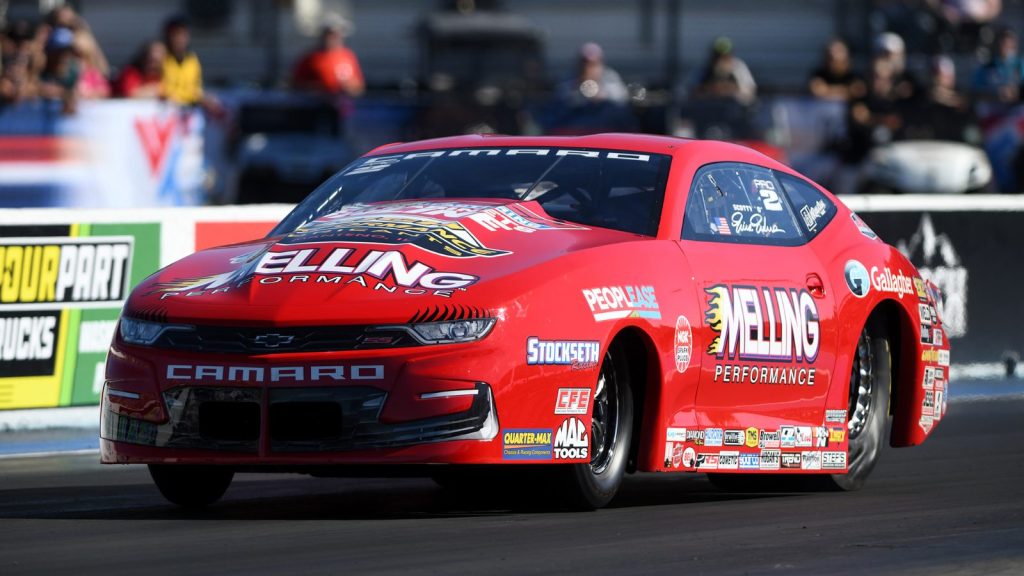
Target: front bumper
{"type": "Point", "coordinates": [265, 422]}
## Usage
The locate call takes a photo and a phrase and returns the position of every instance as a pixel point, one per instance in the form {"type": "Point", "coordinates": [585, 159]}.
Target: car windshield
{"type": "Point", "coordinates": [619, 190]}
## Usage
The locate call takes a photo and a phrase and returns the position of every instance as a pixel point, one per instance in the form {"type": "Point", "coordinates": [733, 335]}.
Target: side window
{"type": "Point", "coordinates": [742, 204]}
{"type": "Point", "coordinates": [813, 207]}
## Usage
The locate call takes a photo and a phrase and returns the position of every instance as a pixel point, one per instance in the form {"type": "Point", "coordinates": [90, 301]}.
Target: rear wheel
{"type": "Point", "coordinates": [867, 421]}
{"type": "Point", "coordinates": [867, 424]}
{"type": "Point", "coordinates": [594, 484]}
{"type": "Point", "coordinates": [191, 486]}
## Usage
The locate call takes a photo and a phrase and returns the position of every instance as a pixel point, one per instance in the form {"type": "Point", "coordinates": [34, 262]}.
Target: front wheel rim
{"type": "Point", "coordinates": [604, 424]}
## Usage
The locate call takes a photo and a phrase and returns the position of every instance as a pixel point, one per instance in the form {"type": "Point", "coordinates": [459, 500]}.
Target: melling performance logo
{"type": "Point", "coordinates": [378, 270]}
{"type": "Point", "coordinates": [430, 234]}
{"type": "Point", "coordinates": [56, 273]}
{"type": "Point", "coordinates": [763, 324]}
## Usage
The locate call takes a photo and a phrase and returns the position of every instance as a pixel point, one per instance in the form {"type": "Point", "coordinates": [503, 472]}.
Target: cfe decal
{"type": "Point", "coordinates": [430, 234]}
{"type": "Point", "coordinates": [763, 324]}
{"type": "Point", "coordinates": [54, 273]}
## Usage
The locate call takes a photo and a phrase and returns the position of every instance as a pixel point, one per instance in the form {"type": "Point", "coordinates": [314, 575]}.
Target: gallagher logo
{"type": "Point", "coordinates": [739, 316]}
{"type": "Point", "coordinates": [437, 236]}
{"type": "Point", "coordinates": [55, 273]}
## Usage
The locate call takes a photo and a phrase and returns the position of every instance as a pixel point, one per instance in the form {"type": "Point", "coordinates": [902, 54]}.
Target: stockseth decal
{"type": "Point", "coordinates": [217, 373]}
{"type": "Point", "coordinates": [579, 354]}
{"type": "Point", "coordinates": [571, 440]}
{"type": "Point", "coordinates": [739, 315]}
{"type": "Point", "coordinates": [857, 279]}
{"type": "Point", "coordinates": [615, 302]}
{"type": "Point", "coordinates": [683, 344]}
{"type": "Point", "coordinates": [526, 444]}
{"type": "Point", "coordinates": [573, 401]}
{"type": "Point", "coordinates": [53, 273]}
{"type": "Point", "coordinates": [884, 280]}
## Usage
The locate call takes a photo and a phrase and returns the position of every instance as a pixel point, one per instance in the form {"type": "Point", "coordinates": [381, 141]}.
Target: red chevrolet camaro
{"type": "Point", "coordinates": [577, 307]}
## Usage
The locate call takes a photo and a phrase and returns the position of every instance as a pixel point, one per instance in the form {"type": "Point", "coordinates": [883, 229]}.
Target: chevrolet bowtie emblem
{"type": "Point", "coordinates": [272, 340]}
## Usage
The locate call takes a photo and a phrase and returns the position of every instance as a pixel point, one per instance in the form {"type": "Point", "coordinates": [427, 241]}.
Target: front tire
{"type": "Point", "coordinates": [593, 485]}
{"type": "Point", "coordinates": [191, 486]}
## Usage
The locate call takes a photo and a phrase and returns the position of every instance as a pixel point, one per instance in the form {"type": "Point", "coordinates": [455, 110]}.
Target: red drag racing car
{"type": "Point", "coordinates": [582, 306]}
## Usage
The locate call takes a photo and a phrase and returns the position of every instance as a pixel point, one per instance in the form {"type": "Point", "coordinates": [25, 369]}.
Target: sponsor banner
{"type": "Point", "coordinates": [857, 279]}
{"type": "Point", "coordinates": [617, 302]}
{"type": "Point", "coordinates": [572, 442]}
{"type": "Point", "coordinates": [674, 454]}
{"type": "Point", "coordinates": [61, 291]}
{"type": "Point", "coordinates": [752, 438]}
{"type": "Point", "coordinates": [574, 401]}
{"type": "Point", "coordinates": [578, 354]}
{"type": "Point", "coordinates": [750, 461]}
{"type": "Point", "coordinates": [707, 462]}
{"type": "Point", "coordinates": [769, 439]}
{"type": "Point", "coordinates": [526, 444]}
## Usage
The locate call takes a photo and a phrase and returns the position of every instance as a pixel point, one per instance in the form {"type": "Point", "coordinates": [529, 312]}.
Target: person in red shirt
{"type": "Point", "coordinates": [330, 68]}
{"type": "Point", "coordinates": [142, 78]}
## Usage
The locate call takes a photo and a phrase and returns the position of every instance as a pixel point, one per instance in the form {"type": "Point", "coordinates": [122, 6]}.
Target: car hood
{"type": "Point", "coordinates": [382, 262]}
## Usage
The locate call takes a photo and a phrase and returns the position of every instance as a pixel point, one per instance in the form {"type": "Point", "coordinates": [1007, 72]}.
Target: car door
{"type": "Point", "coordinates": [766, 328]}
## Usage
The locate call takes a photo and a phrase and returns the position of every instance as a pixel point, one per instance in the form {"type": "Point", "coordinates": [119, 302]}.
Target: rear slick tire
{"type": "Point", "coordinates": [867, 420]}
{"type": "Point", "coordinates": [191, 486]}
{"type": "Point", "coordinates": [593, 485]}
{"type": "Point", "coordinates": [867, 426]}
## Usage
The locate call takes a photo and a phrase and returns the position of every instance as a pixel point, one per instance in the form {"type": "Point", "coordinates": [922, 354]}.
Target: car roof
{"type": "Point", "coordinates": [703, 151]}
